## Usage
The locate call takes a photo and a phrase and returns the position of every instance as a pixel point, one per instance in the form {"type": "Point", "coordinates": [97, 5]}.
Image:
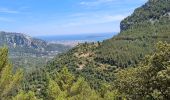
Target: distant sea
{"type": "Point", "coordinates": [79, 37]}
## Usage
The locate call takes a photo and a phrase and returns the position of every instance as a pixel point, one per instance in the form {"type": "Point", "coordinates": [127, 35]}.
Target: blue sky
{"type": "Point", "coordinates": [58, 17]}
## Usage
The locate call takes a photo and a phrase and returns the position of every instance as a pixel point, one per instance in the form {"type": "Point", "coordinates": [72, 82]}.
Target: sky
{"type": "Point", "coordinates": [62, 17]}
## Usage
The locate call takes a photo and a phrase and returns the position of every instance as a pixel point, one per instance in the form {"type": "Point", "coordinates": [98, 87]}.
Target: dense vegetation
{"type": "Point", "coordinates": [10, 81]}
{"type": "Point", "coordinates": [126, 67]}
{"type": "Point", "coordinates": [149, 80]}
{"type": "Point", "coordinates": [152, 11]}
{"type": "Point", "coordinates": [98, 61]}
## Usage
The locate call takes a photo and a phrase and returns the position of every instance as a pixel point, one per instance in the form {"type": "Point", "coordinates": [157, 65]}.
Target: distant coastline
{"type": "Point", "coordinates": [78, 38]}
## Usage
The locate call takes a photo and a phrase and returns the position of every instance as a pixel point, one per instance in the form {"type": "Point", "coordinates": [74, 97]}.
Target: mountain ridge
{"type": "Point", "coordinates": [151, 11]}
{"type": "Point", "coordinates": [27, 53]}
{"type": "Point", "coordinates": [27, 44]}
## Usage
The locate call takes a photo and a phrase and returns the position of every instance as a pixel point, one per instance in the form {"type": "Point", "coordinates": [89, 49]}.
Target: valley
{"type": "Point", "coordinates": [30, 52]}
{"type": "Point", "coordinates": [133, 64]}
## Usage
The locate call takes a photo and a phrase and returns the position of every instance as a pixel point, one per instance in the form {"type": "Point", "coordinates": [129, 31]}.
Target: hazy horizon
{"type": "Point", "coordinates": [59, 17]}
{"type": "Point", "coordinates": [91, 37]}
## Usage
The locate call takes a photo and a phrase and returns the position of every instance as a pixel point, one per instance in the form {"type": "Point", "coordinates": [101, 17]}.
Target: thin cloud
{"type": "Point", "coordinates": [6, 10]}
{"type": "Point", "coordinates": [94, 19]}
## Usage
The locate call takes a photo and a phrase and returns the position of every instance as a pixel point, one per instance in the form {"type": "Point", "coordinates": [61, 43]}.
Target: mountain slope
{"type": "Point", "coordinates": [152, 11]}
{"type": "Point", "coordinates": [20, 43]}
{"type": "Point", "coordinates": [98, 62]}
{"type": "Point", "coordinates": [138, 38]}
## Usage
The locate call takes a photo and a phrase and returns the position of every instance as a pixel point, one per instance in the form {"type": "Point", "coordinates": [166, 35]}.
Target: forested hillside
{"type": "Point", "coordinates": [99, 61]}
{"type": "Point", "coordinates": [147, 81]}
{"type": "Point", "coordinates": [152, 12]}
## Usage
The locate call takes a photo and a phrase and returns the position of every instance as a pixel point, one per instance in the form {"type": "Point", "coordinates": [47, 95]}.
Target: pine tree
{"type": "Point", "coordinates": [65, 79]}
{"type": "Point", "coordinates": [54, 91]}
{"type": "Point", "coordinates": [25, 96]}
{"type": "Point", "coordinates": [66, 86]}
{"type": "Point", "coordinates": [80, 90]}
{"type": "Point", "coordinates": [9, 81]}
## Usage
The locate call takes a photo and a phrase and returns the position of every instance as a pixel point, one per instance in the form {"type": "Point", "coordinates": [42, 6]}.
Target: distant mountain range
{"type": "Point", "coordinates": [21, 44]}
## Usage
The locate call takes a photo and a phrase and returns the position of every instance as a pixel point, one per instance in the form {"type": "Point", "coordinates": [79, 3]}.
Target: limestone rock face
{"type": "Point", "coordinates": [21, 43]}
